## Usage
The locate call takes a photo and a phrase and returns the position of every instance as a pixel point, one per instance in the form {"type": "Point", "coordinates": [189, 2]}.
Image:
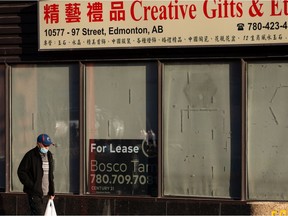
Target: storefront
{"type": "Point", "coordinates": [157, 107]}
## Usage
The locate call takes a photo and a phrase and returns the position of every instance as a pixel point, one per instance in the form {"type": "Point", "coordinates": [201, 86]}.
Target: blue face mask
{"type": "Point", "coordinates": [43, 150]}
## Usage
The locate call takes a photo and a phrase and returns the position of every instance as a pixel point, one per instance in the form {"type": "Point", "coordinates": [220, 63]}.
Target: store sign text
{"type": "Point", "coordinates": [117, 149]}
{"type": "Point", "coordinates": [138, 23]}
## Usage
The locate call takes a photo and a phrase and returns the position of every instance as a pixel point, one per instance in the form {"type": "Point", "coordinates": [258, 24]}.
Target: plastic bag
{"type": "Point", "coordinates": [50, 208]}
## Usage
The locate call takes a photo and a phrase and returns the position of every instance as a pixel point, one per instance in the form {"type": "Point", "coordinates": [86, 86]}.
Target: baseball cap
{"type": "Point", "coordinates": [44, 139]}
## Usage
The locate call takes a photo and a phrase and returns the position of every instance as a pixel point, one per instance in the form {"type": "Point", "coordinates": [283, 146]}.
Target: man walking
{"type": "Point", "coordinates": [36, 174]}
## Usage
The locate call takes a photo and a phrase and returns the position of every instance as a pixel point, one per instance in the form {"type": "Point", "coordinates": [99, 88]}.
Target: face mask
{"type": "Point", "coordinates": [43, 150]}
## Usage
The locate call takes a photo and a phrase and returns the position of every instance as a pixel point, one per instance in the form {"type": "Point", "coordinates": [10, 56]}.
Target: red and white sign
{"type": "Point", "coordinates": [88, 24]}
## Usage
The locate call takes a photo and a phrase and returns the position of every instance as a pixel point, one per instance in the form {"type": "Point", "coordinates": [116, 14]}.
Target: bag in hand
{"type": "Point", "coordinates": [50, 209]}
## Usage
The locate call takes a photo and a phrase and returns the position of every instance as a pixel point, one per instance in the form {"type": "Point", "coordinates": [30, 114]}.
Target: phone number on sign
{"type": "Point", "coordinates": [254, 26]}
{"type": "Point", "coordinates": [121, 179]}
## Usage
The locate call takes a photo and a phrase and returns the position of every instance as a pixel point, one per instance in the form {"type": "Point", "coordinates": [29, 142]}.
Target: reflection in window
{"type": "Point", "coordinates": [202, 150]}
{"type": "Point", "coordinates": [267, 131]}
{"type": "Point", "coordinates": [45, 99]}
{"type": "Point", "coordinates": [122, 129]}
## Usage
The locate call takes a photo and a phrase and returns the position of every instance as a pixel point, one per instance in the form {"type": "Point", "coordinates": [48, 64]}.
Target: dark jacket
{"type": "Point", "coordinates": [30, 173]}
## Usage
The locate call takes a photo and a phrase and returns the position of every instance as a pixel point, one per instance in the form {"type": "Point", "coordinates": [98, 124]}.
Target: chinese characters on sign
{"type": "Point", "coordinates": [90, 24]}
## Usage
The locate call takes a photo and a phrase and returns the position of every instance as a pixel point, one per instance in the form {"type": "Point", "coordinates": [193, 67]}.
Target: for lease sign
{"type": "Point", "coordinates": [90, 24]}
{"type": "Point", "coordinates": [122, 167]}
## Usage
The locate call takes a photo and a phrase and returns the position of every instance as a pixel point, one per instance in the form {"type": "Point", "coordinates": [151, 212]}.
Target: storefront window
{"type": "Point", "coordinates": [2, 127]}
{"type": "Point", "coordinates": [45, 99]}
{"type": "Point", "coordinates": [202, 129]}
{"type": "Point", "coordinates": [267, 131]}
{"type": "Point", "coordinates": [122, 129]}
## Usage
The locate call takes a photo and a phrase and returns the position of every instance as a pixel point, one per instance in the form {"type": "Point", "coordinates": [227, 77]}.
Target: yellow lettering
{"type": "Point", "coordinates": [283, 212]}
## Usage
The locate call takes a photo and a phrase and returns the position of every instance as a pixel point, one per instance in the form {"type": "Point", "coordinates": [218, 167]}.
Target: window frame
{"type": "Point", "coordinates": [82, 123]}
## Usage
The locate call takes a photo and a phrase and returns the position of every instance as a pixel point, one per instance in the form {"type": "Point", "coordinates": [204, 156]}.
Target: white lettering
{"type": "Point", "coordinates": [108, 167]}
{"type": "Point", "coordinates": [98, 149]}
{"type": "Point", "coordinates": [124, 149]}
